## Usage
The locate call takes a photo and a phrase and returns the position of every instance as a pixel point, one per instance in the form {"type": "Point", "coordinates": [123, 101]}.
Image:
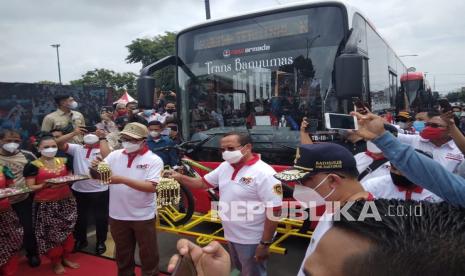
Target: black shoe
{"type": "Point", "coordinates": [33, 261]}
{"type": "Point", "coordinates": [100, 248]}
{"type": "Point", "coordinates": [79, 245]}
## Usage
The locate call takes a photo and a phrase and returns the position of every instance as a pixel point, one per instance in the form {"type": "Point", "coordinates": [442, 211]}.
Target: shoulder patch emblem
{"type": "Point", "coordinates": [278, 189]}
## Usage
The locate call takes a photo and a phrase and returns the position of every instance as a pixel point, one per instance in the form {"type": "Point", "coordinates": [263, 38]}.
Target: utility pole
{"type": "Point", "coordinates": [58, 59]}
{"type": "Point", "coordinates": [207, 8]}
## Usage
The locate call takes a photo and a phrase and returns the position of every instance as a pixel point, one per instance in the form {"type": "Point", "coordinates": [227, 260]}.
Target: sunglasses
{"type": "Point", "coordinates": [434, 125]}
{"type": "Point", "coordinates": [173, 128]}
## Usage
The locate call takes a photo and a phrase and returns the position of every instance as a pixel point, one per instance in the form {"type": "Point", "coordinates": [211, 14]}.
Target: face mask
{"type": "Point", "coordinates": [401, 181]}
{"type": "Point", "coordinates": [372, 147]}
{"type": "Point", "coordinates": [73, 105]}
{"type": "Point", "coordinates": [147, 113]}
{"type": "Point", "coordinates": [457, 114]}
{"type": "Point", "coordinates": [402, 125]}
{"type": "Point", "coordinates": [201, 108]}
{"type": "Point", "coordinates": [90, 139]}
{"type": "Point", "coordinates": [49, 152]}
{"type": "Point", "coordinates": [232, 157]}
{"type": "Point", "coordinates": [11, 147]}
{"type": "Point", "coordinates": [419, 125]}
{"type": "Point", "coordinates": [154, 134]}
{"type": "Point", "coordinates": [171, 111]}
{"type": "Point", "coordinates": [432, 133]}
{"type": "Point", "coordinates": [122, 112]}
{"type": "Point", "coordinates": [304, 195]}
{"type": "Point", "coordinates": [130, 147]}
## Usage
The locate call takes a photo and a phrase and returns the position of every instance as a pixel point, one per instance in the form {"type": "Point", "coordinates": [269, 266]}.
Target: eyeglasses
{"type": "Point", "coordinates": [434, 125]}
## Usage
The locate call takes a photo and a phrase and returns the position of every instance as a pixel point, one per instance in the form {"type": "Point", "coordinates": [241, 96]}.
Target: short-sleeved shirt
{"type": "Point", "coordinates": [448, 154]}
{"type": "Point", "coordinates": [82, 159]}
{"type": "Point", "coordinates": [16, 163]}
{"type": "Point", "coordinates": [383, 187]}
{"type": "Point", "coordinates": [364, 160]}
{"type": "Point", "coordinates": [252, 184]}
{"type": "Point", "coordinates": [127, 203]}
{"type": "Point", "coordinates": [169, 157]}
{"type": "Point", "coordinates": [61, 120]}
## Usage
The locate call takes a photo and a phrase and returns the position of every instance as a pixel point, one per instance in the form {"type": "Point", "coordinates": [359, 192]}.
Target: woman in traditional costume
{"type": "Point", "coordinates": [11, 232]}
{"type": "Point", "coordinates": [55, 210]}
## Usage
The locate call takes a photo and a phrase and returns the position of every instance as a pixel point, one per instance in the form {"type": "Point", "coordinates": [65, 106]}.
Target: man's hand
{"type": "Point", "coordinates": [101, 133]}
{"type": "Point", "coordinates": [210, 260]}
{"type": "Point", "coordinates": [304, 125]}
{"type": "Point", "coordinates": [262, 253]}
{"type": "Point", "coordinates": [448, 117]}
{"type": "Point", "coordinates": [174, 175]}
{"type": "Point", "coordinates": [370, 125]}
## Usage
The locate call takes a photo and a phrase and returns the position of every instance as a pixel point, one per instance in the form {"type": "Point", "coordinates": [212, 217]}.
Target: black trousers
{"type": "Point", "coordinates": [97, 203]}
{"type": "Point", "coordinates": [23, 210]}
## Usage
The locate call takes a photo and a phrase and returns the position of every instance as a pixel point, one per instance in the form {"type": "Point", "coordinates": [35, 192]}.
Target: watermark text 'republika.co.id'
{"type": "Point", "coordinates": [252, 210]}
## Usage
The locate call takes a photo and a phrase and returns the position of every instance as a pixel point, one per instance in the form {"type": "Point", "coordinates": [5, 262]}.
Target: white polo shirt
{"type": "Point", "coordinates": [245, 192]}
{"type": "Point", "coordinates": [324, 224]}
{"type": "Point", "coordinates": [364, 160]}
{"type": "Point", "coordinates": [383, 187]}
{"type": "Point", "coordinates": [82, 158]}
{"type": "Point", "coordinates": [448, 155]}
{"type": "Point", "coordinates": [127, 203]}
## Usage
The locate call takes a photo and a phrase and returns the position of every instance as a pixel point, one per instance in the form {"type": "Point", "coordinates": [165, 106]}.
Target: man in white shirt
{"type": "Point", "coordinates": [396, 186]}
{"type": "Point", "coordinates": [436, 140]}
{"type": "Point", "coordinates": [324, 172]}
{"type": "Point", "coordinates": [248, 195]}
{"type": "Point", "coordinates": [91, 196]}
{"type": "Point", "coordinates": [135, 174]}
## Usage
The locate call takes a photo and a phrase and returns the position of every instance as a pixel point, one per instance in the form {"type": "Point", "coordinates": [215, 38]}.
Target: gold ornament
{"type": "Point", "coordinates": [104, 172]}
{"type": "Point", "coordinates": [168, 192]}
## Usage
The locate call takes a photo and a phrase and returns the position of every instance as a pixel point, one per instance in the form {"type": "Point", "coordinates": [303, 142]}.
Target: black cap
{"type": "Point", "coordinates": [317, 158]}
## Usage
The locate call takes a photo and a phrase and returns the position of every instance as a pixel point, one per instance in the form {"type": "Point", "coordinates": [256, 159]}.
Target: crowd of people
{"type": "Point", "coordinates": [406, 162]}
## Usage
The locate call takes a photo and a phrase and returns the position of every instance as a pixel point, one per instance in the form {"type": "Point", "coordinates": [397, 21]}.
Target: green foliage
{"type": "Point", "coordinates": [150, 50]}
{"type": "Point", "coordinates": [109, 78]}
{"type": "Point", "coordinates": [457, 96]}
{"type": "Point", "coordinates": [46, 82]}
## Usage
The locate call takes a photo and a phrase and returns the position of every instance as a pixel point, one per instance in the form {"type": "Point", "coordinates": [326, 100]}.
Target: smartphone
{"type": "Point", "coordinates": [340, 121]}
{"type": "Point", "coordinates": [184, 267]}
{"type": "Point", "coordinates": [90, 128]}
{"type": "Point", "coordinates": [445, 105]}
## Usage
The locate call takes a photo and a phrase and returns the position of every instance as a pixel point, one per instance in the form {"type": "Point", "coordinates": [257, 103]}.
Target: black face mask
{"type": "Point", "coordinates": [401, 181]}
{"type": "Point", "coordinates": [171, 111]}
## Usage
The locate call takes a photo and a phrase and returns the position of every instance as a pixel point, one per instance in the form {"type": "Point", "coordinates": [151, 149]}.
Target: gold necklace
{"type": "Point", "coordinates": [51, 166]}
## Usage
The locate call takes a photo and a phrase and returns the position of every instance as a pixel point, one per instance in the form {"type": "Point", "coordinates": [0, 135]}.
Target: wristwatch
{"type": "Point", "coordinates": [266, 243]}
{"type": "Point", "coordinates": [101, 139]}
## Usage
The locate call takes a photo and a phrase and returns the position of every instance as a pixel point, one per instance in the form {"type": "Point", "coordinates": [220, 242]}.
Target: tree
{"type": "Point", "coordinates": [46, 82]}
{"type": "Point", "coordinates": [109, 78]}
{"type": "Point", "coordinates": [149, 50]}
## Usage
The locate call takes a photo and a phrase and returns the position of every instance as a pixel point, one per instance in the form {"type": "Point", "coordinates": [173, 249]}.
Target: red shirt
{"type": "Point", "coordinates": [41, 173]}
{"type": "Point", "coordinates": [4, 183]}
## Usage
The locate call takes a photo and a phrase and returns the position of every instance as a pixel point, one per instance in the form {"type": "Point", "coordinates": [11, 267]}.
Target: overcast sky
{"type": "Point", "coordinates": [94, 33]}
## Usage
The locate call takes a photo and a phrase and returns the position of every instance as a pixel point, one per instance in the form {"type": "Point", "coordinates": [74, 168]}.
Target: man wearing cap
{"type": "Point", "coordinates": [436, 139]}
{"type": "Point", "coordinates": [372, 162]}
{"type": "Point", "coordinates": [135, 175]}
{"type": "Point", "coordinates": [65, 117]}
{"type": "Point", "coordinates": [248, 193]}
{"type": "Point", "coordinates": [324, 172]}
{"type": "Point", "coordinates": [404, 122]}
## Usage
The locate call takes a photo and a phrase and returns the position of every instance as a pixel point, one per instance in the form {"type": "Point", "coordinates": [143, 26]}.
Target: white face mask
{"type": "Point", "coordinates": [402, 125]}
{"type": "Point", "coordinates": [154, 134]}
{"type": "Point", "coordinates": [90, 139]}
{"type": "Point", "coordinates": [11, 147]}
{"type": "Point", "coordinates": [49, 152]}
{"type": "Point", "coordinates": [372, 147]}
{"type": "Point", "coordinates": [130, 147]}
{"type": "Point", "coordinates": [309, 197]}
{"type": "Point", "coordinates": [73, 105]}
{"type": "Point", "coordinates": [232, 157]}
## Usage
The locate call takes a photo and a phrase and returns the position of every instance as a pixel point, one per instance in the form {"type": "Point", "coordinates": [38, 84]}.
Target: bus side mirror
{"type": "Point", "coordinates": [145, 91]}
{"type": "Point", "coordinates": [349, 76]}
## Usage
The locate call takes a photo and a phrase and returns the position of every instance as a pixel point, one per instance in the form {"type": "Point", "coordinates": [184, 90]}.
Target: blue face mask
{"type": "Point", "coordinates": [419, 125]}
{"type": "Point", "coordinates": [147, 113]}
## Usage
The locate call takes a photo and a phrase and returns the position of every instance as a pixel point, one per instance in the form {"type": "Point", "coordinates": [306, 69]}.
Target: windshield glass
{"type": "Point", "coordinates": [412, 86]}
{"type": "Point", "coordinates": [263, 73]}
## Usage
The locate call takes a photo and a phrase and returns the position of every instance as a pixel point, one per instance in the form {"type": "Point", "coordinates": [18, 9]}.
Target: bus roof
{"type": "Point", "coordinates": [285, 7]}
{"type": "Point", "coordinates": [412, 76]}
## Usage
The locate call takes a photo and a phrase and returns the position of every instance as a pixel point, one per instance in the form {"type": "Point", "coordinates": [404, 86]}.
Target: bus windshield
{"type": "Point", "coordinates": [260, 72]}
